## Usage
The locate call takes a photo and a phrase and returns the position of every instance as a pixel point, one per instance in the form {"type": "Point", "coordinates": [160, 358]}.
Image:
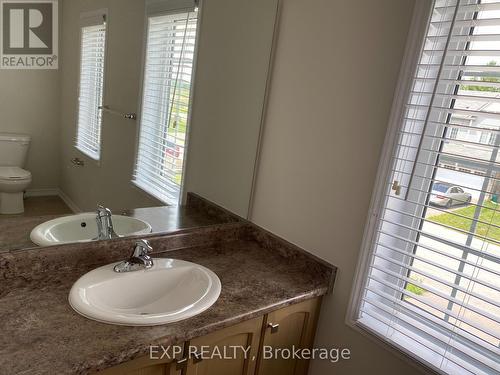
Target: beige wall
{"type": "Point", "coordinates": [230, 82]}
{"type": "Point", "coordinates": [333, 82]}
{"type": "Point", "coordinates": [29, 103]}
{"type": "Point", "coordinates": [109, 181]}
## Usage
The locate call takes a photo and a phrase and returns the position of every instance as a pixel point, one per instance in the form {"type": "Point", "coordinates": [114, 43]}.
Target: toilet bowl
{"type": "Point", "coordinates": [13, 179]}
{"type": "Point", "coordinates": [13, 182]}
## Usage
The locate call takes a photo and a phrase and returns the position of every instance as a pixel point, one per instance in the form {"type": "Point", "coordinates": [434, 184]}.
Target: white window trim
{"type": "Point", "coordinates": [414, 43]}
{"type": "Point", "coordinates": [92, 18]}
{"type": "Point", "coordinates": [159, 8]}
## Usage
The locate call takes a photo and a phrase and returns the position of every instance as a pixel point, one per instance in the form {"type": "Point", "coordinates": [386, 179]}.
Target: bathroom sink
{"type": "Point", "coordinates": [83, 228]}
{"type": "Point", "coordinates": [170, 291]}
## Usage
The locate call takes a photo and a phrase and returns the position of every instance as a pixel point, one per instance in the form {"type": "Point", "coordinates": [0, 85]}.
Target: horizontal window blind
{"type": "Point", "coordinates": [165, 108]}
{"type": "Point", "coordinates": [92, 60]}
{"type": "Point", "coordinates": [432, 278]}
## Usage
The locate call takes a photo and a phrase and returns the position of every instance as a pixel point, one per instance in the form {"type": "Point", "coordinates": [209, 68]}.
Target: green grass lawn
{"type": "Point", "coordinates": [415, 288]}
{"type": "Point", "coordinates": [489, 214]}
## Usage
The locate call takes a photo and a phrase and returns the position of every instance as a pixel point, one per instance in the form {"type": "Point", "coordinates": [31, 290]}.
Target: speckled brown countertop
{"type": "Point", "coordinates": [41, 334]}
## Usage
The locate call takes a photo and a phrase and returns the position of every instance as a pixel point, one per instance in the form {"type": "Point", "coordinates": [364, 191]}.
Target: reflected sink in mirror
{"type": "Point", "coordinates": [170, 291]}
{"type": "Point", "coordinates": [83, 228]}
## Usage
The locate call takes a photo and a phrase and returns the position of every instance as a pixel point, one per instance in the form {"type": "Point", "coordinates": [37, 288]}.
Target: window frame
{"type": "Point", "coordinates": [415, 40]}
{"type": "Point", "coordinates": [414, 44]}
{"type": "Point", "coordinates": [92, 18]}
{"type": "Point", "coordinates": [157, 8]}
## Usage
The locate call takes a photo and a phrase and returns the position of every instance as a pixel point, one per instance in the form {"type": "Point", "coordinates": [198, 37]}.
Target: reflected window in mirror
{"type": "Point", "coordinates": [166, 94]}
{"type": "Point", "coordinates": [91, 87]}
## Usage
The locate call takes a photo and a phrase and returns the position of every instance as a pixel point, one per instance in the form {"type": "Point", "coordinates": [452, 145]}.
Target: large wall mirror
{"type": "Point", "coordinates": [153, 100]}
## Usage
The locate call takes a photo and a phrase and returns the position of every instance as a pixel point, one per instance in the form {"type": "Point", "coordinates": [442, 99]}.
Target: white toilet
{"type": "Point", "coordinates": [13, 179]}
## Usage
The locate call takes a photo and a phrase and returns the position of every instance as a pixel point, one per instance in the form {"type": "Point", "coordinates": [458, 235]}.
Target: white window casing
{"type": "Point", "coordinates": [92, 81]}
{"type": "Point", "coordinates": [166, 98]}
{"type": "Point", "coordinates": [428, 279]}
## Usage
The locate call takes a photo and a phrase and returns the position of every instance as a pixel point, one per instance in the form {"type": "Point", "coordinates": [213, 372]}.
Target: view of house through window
{"type": "Point", "coordinates": [433, 280]}
{"type": "Point", "coordinates": [464, 201]}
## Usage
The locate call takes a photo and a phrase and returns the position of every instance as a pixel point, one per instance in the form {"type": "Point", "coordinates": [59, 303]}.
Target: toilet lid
{"type": "Point", "coordinates": [13, 173]}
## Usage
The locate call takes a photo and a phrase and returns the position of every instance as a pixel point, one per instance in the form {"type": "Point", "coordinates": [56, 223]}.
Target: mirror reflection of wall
{"type": "Point", "coordinates": [195, 77]}
{"type": "Point", "coordinates": [231, 77]}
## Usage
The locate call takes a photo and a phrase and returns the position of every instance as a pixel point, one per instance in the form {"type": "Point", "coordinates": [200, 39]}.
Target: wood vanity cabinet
{"type": "Point", "coordinates": [291, 326]}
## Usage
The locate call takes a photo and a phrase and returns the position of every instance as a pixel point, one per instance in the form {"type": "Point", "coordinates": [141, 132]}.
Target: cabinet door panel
{"type": "Point", "coordinates": [293, 326]}
{"type": "Point", "coordinates": [245, 334]}
{"type": "Point", "coordinates": [144, 366]}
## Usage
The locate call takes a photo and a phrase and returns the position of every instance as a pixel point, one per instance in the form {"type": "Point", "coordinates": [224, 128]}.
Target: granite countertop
{"type": "Point", "coordinates": [41, 334]}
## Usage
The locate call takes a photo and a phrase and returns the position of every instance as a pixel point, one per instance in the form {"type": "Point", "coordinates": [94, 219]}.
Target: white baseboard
{"type": "Point", "coordinates": [41, 192]}
{"type": "Point", "coordinates": [72, 205]}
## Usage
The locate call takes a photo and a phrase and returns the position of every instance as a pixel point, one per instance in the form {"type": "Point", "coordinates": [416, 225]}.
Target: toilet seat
{"type": "Point", "coordinates": [12, 174]}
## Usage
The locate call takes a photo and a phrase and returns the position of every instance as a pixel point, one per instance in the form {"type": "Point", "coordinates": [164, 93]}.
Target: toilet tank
{"type": "Point", "coordinates": [13, 149]}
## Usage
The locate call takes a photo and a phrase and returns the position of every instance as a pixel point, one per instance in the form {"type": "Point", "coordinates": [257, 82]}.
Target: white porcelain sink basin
{"type": "Point", "coordinates": [170, 291]}
{"type": "Point", "coordinates": [83, 228]}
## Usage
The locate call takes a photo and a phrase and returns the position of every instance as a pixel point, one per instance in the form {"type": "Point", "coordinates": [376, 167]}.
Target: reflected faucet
{"type": "Point", "coordinates": [105, 230]}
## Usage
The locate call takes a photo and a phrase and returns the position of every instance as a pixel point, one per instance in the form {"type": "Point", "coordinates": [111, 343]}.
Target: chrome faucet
{"type": "Point", "coordinates": [105, 230]}
{"type": "Point", "coordinates": [139, 259]}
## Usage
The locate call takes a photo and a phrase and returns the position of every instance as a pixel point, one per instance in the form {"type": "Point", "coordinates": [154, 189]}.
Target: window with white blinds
{"type": "Point", "coordinates": [92, 60]}
{"type": "Point", "coordinates": [429, 280]}
{"type": "Point", "coordinates": [166, 94]}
